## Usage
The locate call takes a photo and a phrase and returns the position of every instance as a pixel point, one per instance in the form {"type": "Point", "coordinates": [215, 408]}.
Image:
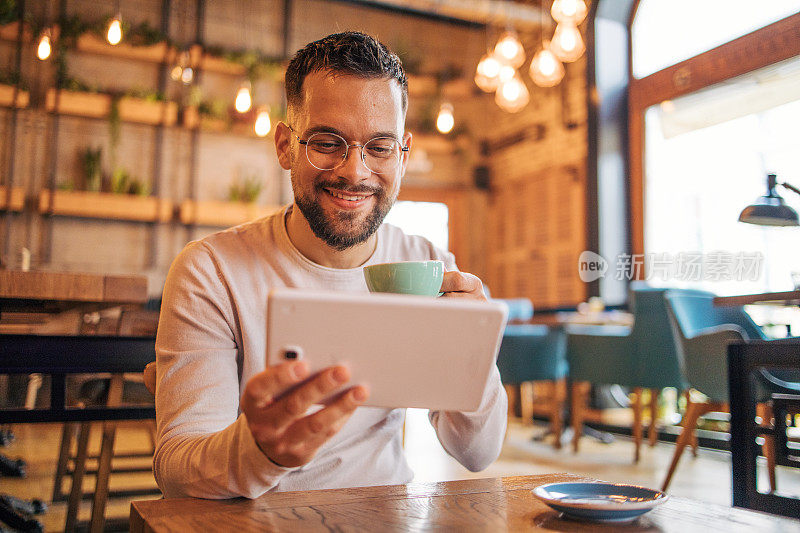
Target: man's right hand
{"type": "Point", "coordinates": [277, 418]}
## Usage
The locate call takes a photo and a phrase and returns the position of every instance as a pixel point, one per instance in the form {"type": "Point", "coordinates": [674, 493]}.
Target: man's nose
{"type": "Point", "coordinates": [353, 168]}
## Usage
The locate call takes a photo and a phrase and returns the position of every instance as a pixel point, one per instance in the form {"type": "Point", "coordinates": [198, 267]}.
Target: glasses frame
{"type": "Point", "coordinates": [347, 147]}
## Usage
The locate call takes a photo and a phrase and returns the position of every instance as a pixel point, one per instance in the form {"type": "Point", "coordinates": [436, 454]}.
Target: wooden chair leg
{"type": "Point", "coordinates": [694, 442]}
{"type": "Point", "coordinates": [513, 397]}
{"type": "Point", "coordinates": [653, 434]}
{"type": "Point", "coordinates": [764, 411]}
{"type": "Point", "coordinates": [64, 452]}
{"type": "Point", "coordinates": [637, 423]}
{"type": "Point", "coordinates": [526, 402]}
{"type": "Point", "coordinates": [579, 395]}
{"type": "Point", "coordinates": [98, 519]}
{"type": "Point", "coordinates": [693, 412]}
{"type": "Point", "coordinates": [557, 417]}
{"type": "Point", "coordinates": [76, 492]}
{"type": "Point", "coordinates": [689, 422]}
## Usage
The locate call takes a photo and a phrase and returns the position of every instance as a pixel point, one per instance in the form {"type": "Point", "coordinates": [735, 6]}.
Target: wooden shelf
{"type": "Point", "coordinates": [7, 97]}
{"type": "Point", "coordinates": [222, 214]}
{"type": "Point", "coordinates": [17, 200]}
{"type": "Point", "coordinates": [10, 31]}
{"type": "Point", "coordinates": [211, 63]}
{"type": "Point", "coordinates": [95, 105]}
{"type": "Point", "coordinates": [193, 120]}
{"type": "Point", "coordinates": [98, 105]}
{"type": "Point", "coordinates": [146, 112]}
{"type": "Point", "coordinates": [156, 53]}
{"type": "Point", "coordinates": [106, 206]}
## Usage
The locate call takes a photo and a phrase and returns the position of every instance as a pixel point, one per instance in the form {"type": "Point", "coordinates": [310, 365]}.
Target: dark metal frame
{"type": "Point", "coordinates": [784, 405]}
{"type": "Point", "coordinates": [745, 359]}
{"type": "Point", "coordinates": [59, 356]}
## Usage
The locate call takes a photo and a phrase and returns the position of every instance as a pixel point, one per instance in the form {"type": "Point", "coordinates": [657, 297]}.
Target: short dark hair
{"type": "Point", "coordinates": [349, 52]}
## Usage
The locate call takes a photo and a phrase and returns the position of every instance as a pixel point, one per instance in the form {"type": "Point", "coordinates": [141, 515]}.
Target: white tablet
{"type": "Point", "coordinates": [410, 351]}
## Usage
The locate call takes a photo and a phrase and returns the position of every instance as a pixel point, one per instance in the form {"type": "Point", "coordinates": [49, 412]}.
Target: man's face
{"type": "Point", "coordinates": [346, 205]}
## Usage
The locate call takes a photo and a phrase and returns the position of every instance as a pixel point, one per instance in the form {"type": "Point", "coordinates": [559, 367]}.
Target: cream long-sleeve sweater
{"type": "Point", "coordinates": [211, 340]}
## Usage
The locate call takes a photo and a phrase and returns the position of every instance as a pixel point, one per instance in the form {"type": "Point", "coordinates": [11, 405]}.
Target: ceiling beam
{"type": "Point", "coordinates": [522, 17]}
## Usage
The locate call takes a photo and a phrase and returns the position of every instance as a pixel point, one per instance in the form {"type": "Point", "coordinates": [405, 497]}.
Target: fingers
{"type": "Point", "coordinates": [462, 285]}
{"type": "Point", "coordinates": [294, 405]}
{"type": "Point", "coordinates": [306, 435]}
{"type": "Point", "coordinates": [262, 388]}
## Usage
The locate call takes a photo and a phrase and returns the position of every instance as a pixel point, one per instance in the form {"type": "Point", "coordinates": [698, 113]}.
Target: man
{"type": "Point", "coordinates": [228, 426]}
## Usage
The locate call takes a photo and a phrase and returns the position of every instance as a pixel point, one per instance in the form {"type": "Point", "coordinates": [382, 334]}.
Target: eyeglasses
{"type": "Point", "coordinates": [327, 151]}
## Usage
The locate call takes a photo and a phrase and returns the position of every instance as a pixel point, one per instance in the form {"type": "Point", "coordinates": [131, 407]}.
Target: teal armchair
{"type": "Point", "coordinates": [703, 332]}
{"type": "Point", "coordinates": [643, 356]}
{"type": "Point", "coordinates": [531, 352]}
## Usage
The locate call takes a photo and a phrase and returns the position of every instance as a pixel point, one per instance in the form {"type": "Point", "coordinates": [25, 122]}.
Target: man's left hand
{"type": "Point", "coordinates": [462, 285]}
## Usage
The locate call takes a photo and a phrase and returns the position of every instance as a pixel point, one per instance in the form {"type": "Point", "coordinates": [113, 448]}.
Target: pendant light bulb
{"type": "Point", "coordinates": [546, 70]}
{"type": "Point", "coordinates": [243, 99]}
{"type": "Point", "coordinates": [512, 95]}
{"type": "Point", "coordinates": [507, 72]}
{"type": "Point", "coordinates": [509, 50]}
{"type": "Point", "coordinates": [45, 47]}
{"type": "Point", "coordinates": [487, 74]}
{"type": "Point", "coordinates": [567, 44]}
{"type": "Point", "coordinates": [445, 121]}
{"type": "Point", "coordinates": [571, 11]}
{"type": "Point", "coordinates": [187, 75]}
{"type": "Point", "coordinates": [263, 123]}
{"type": "Point", "coordinates": [114, 34]}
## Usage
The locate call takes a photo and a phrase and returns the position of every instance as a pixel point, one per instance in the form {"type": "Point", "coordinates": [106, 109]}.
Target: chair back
{"type": "Point", "coordinates": [655, 358]}
{"type": "Point", "coordinates": [532, 352]}
{"type": "Point", "coordinates": [519, 309]}
{"type": "Point", "coordinates": [703, 350]}
{"type": "Point", "coordinates": [694, 311]}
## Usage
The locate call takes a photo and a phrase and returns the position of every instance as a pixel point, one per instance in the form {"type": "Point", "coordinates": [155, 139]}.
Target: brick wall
{"type": "Point", "coordinates": [524, 235]}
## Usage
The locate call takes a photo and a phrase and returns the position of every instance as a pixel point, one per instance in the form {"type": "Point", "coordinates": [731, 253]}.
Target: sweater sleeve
{"type": "Point", "coordinates": [474, 439]}
{"type": "Point", "coordinates": [205, 448]}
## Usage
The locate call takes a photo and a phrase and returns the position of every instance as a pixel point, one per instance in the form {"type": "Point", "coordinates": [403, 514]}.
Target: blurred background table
{"type": "Point", "coordinates": [41, 291]}
{"type": "Point", "coordinates": [787, 298]}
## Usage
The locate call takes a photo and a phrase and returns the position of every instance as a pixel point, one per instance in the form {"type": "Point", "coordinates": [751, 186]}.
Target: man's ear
{"type": "Point", "coordinates": [283, 145]}
{"type": "Point", "coordinates": [404, 155]}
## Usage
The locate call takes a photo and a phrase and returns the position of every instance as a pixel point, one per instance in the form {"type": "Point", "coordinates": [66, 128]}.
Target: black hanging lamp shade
{"type": "Point", "coordinates": [770, 209]}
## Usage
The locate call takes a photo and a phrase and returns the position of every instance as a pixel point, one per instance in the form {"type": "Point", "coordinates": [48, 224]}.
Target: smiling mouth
{"type": "Point", "coordinates": [349, 197]}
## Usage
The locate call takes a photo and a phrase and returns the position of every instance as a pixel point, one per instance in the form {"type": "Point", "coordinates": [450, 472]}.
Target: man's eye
{"type": "Point", "coordinates": [380, 149]}
{"type": "Point", "coordinates": [326, 146]}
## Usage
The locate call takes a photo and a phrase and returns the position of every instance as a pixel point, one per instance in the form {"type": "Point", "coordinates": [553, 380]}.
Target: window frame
{"type": "Point", "coordinates": [766, 46]}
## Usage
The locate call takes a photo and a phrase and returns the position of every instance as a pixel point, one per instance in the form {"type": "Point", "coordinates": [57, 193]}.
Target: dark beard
{"type": "Point", "coordinates": [326, 229]}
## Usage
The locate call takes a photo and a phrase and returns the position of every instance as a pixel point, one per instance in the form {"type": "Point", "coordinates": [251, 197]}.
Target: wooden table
{"type": "Point", "coordinates": [41, 291]}
{"type": "Point", "coordinates": [786, 298]}
{"type": "Point", "coordinates": [495, 504]}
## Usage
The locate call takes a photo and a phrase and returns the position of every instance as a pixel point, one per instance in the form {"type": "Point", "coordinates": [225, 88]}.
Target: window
{"type": "Point", "coordinates": [700, 24]}
{"type": "Point", "coordinates": [707, 157]}
{"type": "Point", "coordinates": [429, 219]}
{"type": "Point", "coordinates": [704, 136]}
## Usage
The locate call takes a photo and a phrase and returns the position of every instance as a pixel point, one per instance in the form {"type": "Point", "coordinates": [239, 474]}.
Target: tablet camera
{"type": "Point", "coordinates": [292, 353]}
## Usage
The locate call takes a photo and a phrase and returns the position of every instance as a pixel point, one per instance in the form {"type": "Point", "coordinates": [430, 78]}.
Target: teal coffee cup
{"type": "Point", "coordinates": [423, 278]}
